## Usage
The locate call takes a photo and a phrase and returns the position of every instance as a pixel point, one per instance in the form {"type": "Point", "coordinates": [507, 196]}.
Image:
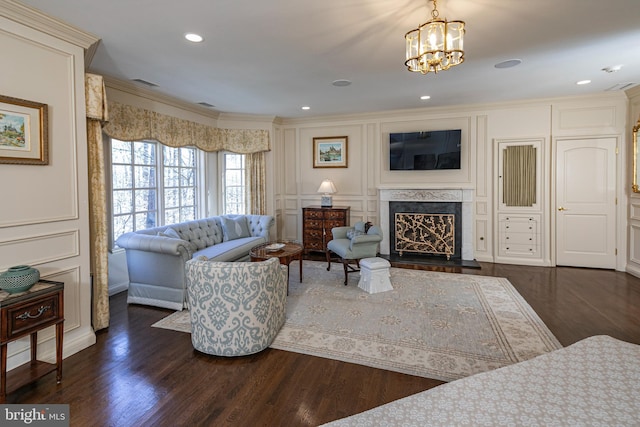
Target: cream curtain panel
{"type": "Point", "coordinates": [129, 123]}
{"type": "Point", "coordinates": [519, 175]}
{"type": "Point", "coordinates": [97, 114]}
{"type": "Point", "coordinates": [256, 180]}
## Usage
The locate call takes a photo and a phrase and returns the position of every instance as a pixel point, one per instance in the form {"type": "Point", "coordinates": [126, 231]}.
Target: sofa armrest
{"type": "Point", "coordinates": [365, 238]}
{"type": "Point", "coordinates": [159, 244]}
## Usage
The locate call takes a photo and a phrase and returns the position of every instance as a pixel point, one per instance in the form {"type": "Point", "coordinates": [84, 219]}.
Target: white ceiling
{"type": "Point", "coordinates": [272, 57]}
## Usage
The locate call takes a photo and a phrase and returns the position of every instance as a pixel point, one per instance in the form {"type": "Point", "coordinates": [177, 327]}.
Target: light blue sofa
{"type": "Point", "coordinates": [156, 257]}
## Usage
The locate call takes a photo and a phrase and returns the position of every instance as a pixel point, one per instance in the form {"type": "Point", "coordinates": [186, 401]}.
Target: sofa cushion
{"type": "Point", "coordinates": [232, 250]}
{"type": "Point", "coordinates": [234, 228]}
{"type": "Point", "coordinates": [353, 233]}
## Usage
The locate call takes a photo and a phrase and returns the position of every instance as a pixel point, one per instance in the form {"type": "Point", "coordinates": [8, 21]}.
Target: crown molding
{"type": "Point", "coordinates": [136, 90]}
{"type": "Point", "coordinates": [40, 21]}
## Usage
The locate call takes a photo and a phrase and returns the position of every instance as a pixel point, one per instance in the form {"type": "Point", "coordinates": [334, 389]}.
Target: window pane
{"type": "Point", "coordinates": [188, 178]}
{"type": "Point", "coordinates": [121, 176]}
{"type": "Point", "coordinates": [122, 202]}
{"type": "Point", "coordinates": [145, 220]}
{"type": "Point", "coordinates": [234, 161]}
{"type": "Point", "coordinates": [145, 200]}
{"type": "Point", "coordinates": [120, 151]}
{"type": "Point", "coordinates": [188, 157]}
{"type": "Point", "coordinates": [234, 177]}
{"type": "Point", "coordinates": [188, 213]}
{"type": "Point", "coordinates": [122, 224]}
{"type": "Point", "coordinates": [145, 176]}
{"type": "Point", "coordinates": [188, 196]}
{"type": "Point", "coordinates": [171, 177]}
{"type": "Point", "coordinates": [144, 153]}
{"type": "Point", "coordinates": [171, 198]}
{"type": "Point", "coordinates": [171, 156]}
{"type": "Point", "coordinates": [171, 216]}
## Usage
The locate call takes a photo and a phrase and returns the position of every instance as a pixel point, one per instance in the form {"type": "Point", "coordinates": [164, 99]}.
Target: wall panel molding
{"type": "Point", "coordinates": [41, 249]}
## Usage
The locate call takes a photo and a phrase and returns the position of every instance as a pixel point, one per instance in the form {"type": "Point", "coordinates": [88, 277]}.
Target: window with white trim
{"type": "Point", "coordinates": [152, 185]}
{"type": "Point", "coordinates": [233, 183]}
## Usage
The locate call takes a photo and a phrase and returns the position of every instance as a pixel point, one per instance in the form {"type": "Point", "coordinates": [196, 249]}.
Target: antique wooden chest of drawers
{"type": "Point", "coordinates": [317, 222]}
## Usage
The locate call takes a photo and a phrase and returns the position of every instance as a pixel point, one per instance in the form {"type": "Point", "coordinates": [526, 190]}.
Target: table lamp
{"type": "Point", "coordinates": [327, 188]}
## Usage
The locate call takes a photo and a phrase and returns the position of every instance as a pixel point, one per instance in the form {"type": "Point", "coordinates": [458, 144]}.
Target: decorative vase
{"type": "Point", "coordinates": [19, 279]}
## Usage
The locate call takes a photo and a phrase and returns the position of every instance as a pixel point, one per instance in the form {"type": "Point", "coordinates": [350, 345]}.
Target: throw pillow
{"type": "Point", "coordinates": [234, 228]}
{"type": "Point", "coordinates": [170, 232]}
{"type": "Point", "coordinates": [353, 233]}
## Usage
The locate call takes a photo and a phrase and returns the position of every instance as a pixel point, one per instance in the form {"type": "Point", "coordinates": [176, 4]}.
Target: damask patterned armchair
{"type": "Point", "coordinates": [236, 308]}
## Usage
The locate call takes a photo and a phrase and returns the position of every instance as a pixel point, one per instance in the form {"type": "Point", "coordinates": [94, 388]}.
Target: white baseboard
{"type": "Point", "coordinates": [118, 287]}
{"type": "Point", "coordinates": [74, 341]}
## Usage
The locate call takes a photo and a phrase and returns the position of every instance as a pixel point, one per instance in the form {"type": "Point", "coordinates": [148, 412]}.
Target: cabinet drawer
{"type": "Point", "coordinates": [315, 224]}
{"type": "Point", "coordinates": [520, 238]}
{"type": "Point", "coordinates": [335, 215]}
{"type": "Point", "coordinates": [313, 235]}
{"type": "Point", "coordinates": [329, 224]}
{"type": "Point", "coordinates": [313, 214]}
{"type": "Point", "coordinates": [29, 316]}
{"type": "Point", "coordinates": [313, 244]}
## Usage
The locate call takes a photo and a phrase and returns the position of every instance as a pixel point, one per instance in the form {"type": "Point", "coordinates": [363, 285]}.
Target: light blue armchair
{"type": "Point", "coordinates": [352, 244]}
{"type": "Point", "coordinates": [236, 308]}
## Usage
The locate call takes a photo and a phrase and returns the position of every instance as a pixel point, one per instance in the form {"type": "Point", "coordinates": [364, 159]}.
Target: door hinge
{"type": "Point", "coordinates": [617, 150]}
{"type": "Point", "coordinates": [616, 251]}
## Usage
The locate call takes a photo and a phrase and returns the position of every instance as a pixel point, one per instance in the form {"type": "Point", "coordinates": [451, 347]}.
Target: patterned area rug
{"type": "Point", "coordinates": [443, 326]}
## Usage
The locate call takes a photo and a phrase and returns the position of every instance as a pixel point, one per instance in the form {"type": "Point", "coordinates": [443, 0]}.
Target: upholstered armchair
{"type": "Point", "coordinates": [236, 308]}
{"type": "Point", "coordinates": [351, 244]}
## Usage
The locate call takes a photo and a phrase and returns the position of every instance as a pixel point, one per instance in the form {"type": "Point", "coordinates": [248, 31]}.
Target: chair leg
{"type": "Point", "coordinates": [328, 260]}
{"type": "Point", "coordinates": [345, 263]}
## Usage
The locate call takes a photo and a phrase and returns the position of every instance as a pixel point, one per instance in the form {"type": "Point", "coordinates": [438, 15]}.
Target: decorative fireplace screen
{"type": "Point", "coordinates": [425, 233]}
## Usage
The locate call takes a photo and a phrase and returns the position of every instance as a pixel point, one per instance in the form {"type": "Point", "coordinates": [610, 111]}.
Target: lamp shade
{"type": "Point", "coordinates": [327, 187]}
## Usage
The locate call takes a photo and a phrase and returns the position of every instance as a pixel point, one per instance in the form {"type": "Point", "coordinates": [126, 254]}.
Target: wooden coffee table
{"type": "Point", "coordinates": [291, 251]}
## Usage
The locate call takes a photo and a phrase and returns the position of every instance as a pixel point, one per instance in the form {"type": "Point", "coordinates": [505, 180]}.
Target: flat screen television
{"type": "Point", "coordinates": [431, 150]}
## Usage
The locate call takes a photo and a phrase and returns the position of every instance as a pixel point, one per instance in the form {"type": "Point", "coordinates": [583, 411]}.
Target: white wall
{"type": "Point", "coordinates": [483, 127]}
{"type": "Point", "coordinates": [44, 209]}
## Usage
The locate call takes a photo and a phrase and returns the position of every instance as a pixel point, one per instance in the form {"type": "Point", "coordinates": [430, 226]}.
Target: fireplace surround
{"type": "Point", "coordinates": [462, 198]}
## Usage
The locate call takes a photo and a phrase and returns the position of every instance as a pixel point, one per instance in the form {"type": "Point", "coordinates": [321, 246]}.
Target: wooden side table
{"type": "Point", "coordinates": [23, 314]}
{"type": "Point", "coordinates": [291, 251]}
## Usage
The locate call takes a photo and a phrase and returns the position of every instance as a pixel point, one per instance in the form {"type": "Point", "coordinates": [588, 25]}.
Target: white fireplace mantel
{"type": "Point", "coordinates": [464, 196]}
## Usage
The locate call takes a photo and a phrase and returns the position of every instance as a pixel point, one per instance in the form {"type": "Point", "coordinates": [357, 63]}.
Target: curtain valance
{"type": "Point", "coordinates": [130, 123]}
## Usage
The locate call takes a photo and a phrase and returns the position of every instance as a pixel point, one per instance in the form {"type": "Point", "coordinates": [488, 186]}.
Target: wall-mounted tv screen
{"type": "Point", "coordinates": [431, 150]}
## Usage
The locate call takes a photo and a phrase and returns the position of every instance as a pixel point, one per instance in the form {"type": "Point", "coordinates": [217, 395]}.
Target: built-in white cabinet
{"type": "Point", "coordinates": [519, 235]}
{"type": "Point", "coordinates": [520, 231]}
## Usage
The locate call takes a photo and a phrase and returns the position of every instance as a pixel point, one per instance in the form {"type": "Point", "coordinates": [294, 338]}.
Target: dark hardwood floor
{"type": "Point", "coordinates": [137, 375]}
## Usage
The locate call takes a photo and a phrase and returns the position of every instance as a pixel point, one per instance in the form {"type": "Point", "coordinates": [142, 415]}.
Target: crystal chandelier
{"type": "Point", "coordinates": [435, 45]}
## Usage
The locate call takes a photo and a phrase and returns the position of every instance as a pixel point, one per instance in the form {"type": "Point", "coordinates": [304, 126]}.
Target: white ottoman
{"type": "Point", "coordinates": [374, 275]}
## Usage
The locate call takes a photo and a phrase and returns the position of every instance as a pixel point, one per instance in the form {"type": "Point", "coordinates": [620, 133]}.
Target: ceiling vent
{"type": "Point", "coordinates": [206, 104]}
{"type": "Point", "coordinates": [144, 82]}
{"type": "Point", "coordinates": [621, 86]}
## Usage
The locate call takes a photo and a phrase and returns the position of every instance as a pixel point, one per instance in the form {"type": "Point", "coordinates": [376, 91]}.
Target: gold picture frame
{"type": "Point", "coordinates": [331, 152]}
{"type": "Point", "coordinates": [24, 136]}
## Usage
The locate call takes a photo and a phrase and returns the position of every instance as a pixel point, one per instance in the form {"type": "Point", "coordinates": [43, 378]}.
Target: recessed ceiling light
{"type": "Point", "coordinates": [508, 63]}
{"type": "Point", "coordinates": [192, 37]}
{"type": "Point", "coordinates": [583, 82]}
{"type": "Point", "coordinates": [341, 83]}
{"type": "Point", "coordinates": [306, 107]}
{"type": "Point", "coordinates": [425, 97]}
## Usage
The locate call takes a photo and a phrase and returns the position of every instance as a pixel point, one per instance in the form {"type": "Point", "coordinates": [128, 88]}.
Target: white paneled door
{"type": "Point", "coordinates": [586, 202]}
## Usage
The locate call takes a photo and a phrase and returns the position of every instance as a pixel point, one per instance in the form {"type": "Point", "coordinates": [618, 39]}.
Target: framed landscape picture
{"type": "Point", "coordinates": [23, 132]}
{"type": "Point", "coordinates": [330, 152]}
